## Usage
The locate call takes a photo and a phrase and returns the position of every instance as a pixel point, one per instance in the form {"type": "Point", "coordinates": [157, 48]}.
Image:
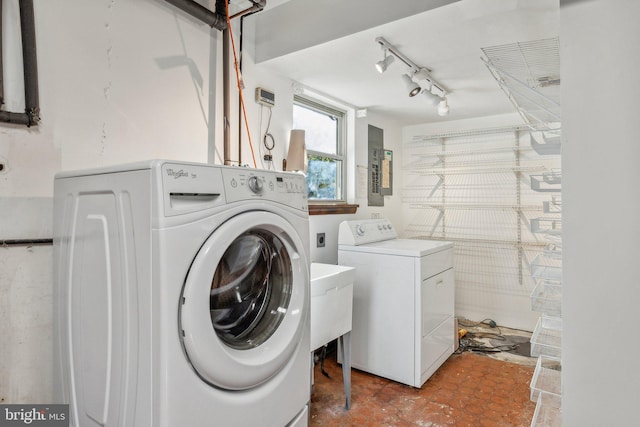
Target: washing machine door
{"type": "Point", "coordinates": [245, 304]}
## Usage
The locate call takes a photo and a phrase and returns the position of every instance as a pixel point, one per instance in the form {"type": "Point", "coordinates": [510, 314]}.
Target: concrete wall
{"type": "Point", "coordinates": [120, 81]}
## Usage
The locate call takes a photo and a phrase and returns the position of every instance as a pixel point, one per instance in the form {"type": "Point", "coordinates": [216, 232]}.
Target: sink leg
{"type": "Point", "coordinates": [345, 350]}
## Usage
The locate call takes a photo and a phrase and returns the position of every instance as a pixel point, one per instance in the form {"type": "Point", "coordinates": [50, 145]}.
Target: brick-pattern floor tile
{"type": "Point", "coordinates": [468, 390]}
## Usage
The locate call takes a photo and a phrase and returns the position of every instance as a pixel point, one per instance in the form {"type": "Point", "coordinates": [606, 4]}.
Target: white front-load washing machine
{"type": "Point", "coordinates": [181, 296]}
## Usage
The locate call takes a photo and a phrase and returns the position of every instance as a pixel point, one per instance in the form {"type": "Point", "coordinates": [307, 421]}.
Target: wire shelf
{"type": "Point", "coordinates": [497, 197]}
{"type": "Point", "coordinates": [495, 168]}
{"type": "Point", "coordinates": [472, 206]}
{"type": "Point", "coordinates": [529, 74]}
{"type": "Point", "coordinates": [466, 133]}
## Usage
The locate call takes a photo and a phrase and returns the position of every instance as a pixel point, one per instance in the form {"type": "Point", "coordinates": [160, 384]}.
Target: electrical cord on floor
{"type": "Point", "coordinates": [481, 334]}
{"type": "Point", "coordinates": [468, 343]}
{"type": "Point", "coordinates": [323, 356]}
{"type": "Point", "coordinates": [471, 345]}
{"type": "Point", "coordinates": [319, 356]}
{"type": "Point", "coordinates": [490, 322]}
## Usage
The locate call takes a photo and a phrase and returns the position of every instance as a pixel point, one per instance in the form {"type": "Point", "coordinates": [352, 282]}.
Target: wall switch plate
{"type": "Point", "coordinates": [320, 241]}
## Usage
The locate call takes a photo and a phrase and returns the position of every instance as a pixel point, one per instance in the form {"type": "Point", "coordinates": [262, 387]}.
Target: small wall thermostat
{"type": "Point", "coordinates": [265, 97]}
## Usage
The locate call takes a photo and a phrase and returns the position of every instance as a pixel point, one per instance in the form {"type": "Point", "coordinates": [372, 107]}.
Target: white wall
{"type": "Point", "coordinates": [119, 82]}
{"type": "Point", "coordinates": [601, 208]}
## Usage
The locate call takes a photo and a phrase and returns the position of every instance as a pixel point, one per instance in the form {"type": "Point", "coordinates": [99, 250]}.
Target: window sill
{"type": "Point", "coordinates": [337, 209]}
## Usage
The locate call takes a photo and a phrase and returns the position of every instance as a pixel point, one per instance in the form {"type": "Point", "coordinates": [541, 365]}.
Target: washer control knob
{"type": "Point", "coordinates": [360, 230]}
{"type": "Point", "coordinates": [255, 184]}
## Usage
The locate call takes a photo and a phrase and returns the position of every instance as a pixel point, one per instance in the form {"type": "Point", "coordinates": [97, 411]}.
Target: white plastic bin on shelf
{"type": "Point", "coordinates": [547, 380]}
{"type": "Point", "coordinates": [547, 298]}
{"type": "Point", "coordinates": [331, 302]}
{"type": "Point", "coordinates": [546, 268]}
{"type": "Point", "coordinates": [546, 142]}
{"type": "Point", "coordinates": [546, 226]}
{"type": "Point", "coordinates": [547, 181]}
{"type": "Point", "coordinates": [547, 337]}
{"type": "Point", "coordinates": [546, 415]}
{"type": "Point", "coordinates": [553, 206]}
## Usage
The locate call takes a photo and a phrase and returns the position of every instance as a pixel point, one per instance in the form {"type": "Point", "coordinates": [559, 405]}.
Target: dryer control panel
{"type": "Point", "coordinates": [360, 232]}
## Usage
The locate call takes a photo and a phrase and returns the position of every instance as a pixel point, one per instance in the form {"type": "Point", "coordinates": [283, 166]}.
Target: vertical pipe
{"type": "Point", "coordinates": [239, 95]}
{"type": "Point", "coordinates": [519, 207]}
{"type": "Point", "coordinates": [221, 10]}
{"type": "Point", "coordinates": [226, 99]}
{"type": "Point", "coordinates": [29, 59]}
{"type": "Point", "coordinates": [218, 20]}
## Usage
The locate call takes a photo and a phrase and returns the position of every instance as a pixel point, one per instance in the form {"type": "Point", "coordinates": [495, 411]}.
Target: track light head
{"type": "Point", "coordinates": [383, 64]}
{"type": "Point", "coordinates": [443, 107]}
{"type": "Point", "coordinates": [433, 99]}
{"type": "Point", "coordinates": [412, 86]}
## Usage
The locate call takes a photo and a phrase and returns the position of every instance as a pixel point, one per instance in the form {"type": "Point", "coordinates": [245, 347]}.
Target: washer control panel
{"type": "Point", "coordinates": [359, 232]}
{"type": "Point", "coordinates": [191, 187]}
{"type": "Point", "coordinates": [283, 187]}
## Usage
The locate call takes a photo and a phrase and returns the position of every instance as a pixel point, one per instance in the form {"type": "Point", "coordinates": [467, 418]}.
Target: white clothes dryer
{"type": "Point", "coordinates": [182, 296]}
{"type": "Point", "coordinates": [403, 301]}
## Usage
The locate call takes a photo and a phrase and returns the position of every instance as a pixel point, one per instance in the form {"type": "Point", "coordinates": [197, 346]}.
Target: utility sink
{"type": "Point", "coordinates": [331, 310]}
{"type": "Point", "coordinates": [331, 302]}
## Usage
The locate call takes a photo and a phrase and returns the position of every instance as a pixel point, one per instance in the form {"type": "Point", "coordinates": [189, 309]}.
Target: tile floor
{"type": "Point", "coordinates": [469, 389]}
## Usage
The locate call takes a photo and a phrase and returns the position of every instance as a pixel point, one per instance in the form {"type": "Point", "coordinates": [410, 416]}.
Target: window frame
{"type": "Point", "coordinates": [341, 129]}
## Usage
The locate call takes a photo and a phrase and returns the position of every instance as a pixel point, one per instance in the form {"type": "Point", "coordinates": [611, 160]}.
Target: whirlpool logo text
{"type": "Point", "coordinates": [177, 174]}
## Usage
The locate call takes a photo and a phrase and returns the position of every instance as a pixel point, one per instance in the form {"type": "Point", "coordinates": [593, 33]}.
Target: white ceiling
{"type": "Point", "coordinates": [447, 40]}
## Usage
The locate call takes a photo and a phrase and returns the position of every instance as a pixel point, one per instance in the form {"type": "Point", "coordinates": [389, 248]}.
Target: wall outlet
{"type": "Point", "coordinates": [320, 240]}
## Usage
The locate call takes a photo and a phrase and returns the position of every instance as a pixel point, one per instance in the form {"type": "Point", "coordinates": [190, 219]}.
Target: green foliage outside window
{"type": "Point", "coordinates": [321, 178]}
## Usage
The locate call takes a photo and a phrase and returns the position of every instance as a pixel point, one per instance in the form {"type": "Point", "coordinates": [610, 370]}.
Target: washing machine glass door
{"type": "Point", "coordinates": [244, 303]}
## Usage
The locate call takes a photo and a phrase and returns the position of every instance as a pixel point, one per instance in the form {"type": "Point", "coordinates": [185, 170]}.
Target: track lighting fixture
{"type": "Point", "coordinates": [383, 64]}
{"type": "Point", "coordinates": [418, 78]}
{"type": "Point", "coordinates": [432, 98]}
{"type": "Point", "coordinates": [413, 87]}
{"type": "Point", "coordinates": [443, 107]}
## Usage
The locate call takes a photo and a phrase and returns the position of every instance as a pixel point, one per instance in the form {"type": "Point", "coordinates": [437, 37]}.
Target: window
{"type": "Point", "coordinates": [324, 128]}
